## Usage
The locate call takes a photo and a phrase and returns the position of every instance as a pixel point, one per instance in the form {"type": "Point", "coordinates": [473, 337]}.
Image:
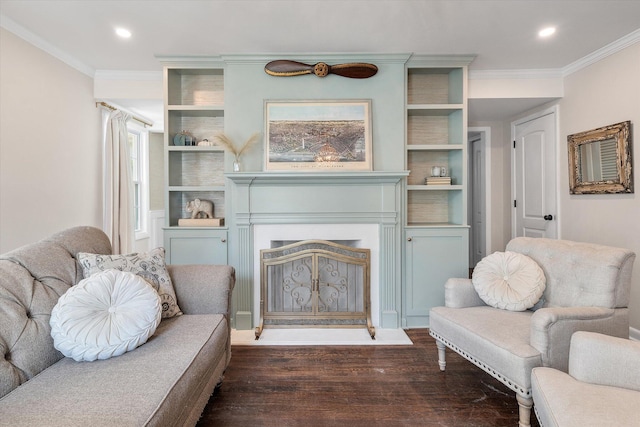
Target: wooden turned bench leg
{"type": "Point", "coordinates": [524, 405]}
{"type": "Point", "coordinates": [441, 355]}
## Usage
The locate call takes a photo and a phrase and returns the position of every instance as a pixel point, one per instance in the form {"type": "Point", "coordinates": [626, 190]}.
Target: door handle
{"type": "Point", "coordinates": [548, 217]}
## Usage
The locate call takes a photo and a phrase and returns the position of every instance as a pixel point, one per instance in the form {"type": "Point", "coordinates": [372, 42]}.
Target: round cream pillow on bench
{"type": "Point", "coordinates": [509, 281]}
{"type": "Point", "coordinates": [105, 315]}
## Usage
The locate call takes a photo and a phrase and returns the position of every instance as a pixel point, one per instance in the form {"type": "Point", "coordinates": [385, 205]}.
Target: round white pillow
{"type": "Point", "coordinates": [105, 315]}
{"type": "Point", "coordinates": [509, 281]}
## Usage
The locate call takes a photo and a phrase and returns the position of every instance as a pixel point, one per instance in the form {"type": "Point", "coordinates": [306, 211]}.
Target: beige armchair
{"type": "Point", "coordinates": [602, 387]}
{"type": "Point", "coordinates": [587, 289]}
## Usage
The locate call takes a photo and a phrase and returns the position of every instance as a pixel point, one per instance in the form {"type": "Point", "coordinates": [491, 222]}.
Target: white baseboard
{"type": "Point", "coordinates": [634, 334]}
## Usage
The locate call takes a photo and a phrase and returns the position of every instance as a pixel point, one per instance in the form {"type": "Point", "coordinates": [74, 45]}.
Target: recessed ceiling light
{"type": "Point", "coordinates": [123, 32]}
{"type": "Point", "coordinates": [546, 32]}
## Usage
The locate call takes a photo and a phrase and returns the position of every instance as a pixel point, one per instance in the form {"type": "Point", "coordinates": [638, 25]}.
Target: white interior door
{"type": "Point", "coordinates": [534, 176]}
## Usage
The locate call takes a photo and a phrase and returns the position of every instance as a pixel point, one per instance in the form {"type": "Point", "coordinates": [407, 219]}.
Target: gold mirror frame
{"type": "Point", "coordinates": [623, 183]}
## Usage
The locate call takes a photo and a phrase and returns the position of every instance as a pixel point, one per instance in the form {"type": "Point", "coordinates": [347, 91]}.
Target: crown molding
{"type": "Point", "coordinates": [128, 75]}
{"type": "Point", "coordinates": [546, 73]}
{"type": "Point", "coordinates": [551, 73]}
{"type": "Point", "coordinates": [600, 54]}
{"type": "Point", "coordinates": [20, 31]}
{"type": "Point", "coordinates": [425, 60]}
{"type": "Point", "coordinates": [195, 61]}
{"type": "Point", "coordinates": [315, 57]}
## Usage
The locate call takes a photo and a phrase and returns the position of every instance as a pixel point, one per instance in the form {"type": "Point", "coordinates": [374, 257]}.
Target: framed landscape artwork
{"type": "Point", "coordinates": [318, 135]}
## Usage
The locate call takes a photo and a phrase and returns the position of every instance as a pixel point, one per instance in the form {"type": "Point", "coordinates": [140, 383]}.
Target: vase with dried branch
{"type": "Point", "coordinates": [229, 146]}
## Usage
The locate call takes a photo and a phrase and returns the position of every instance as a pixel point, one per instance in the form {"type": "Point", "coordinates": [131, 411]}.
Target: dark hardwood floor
{"type": "Point", "coordinates": [357, 386]}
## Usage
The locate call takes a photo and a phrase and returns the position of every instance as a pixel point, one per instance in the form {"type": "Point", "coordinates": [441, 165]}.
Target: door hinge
{"type": "Point", "coordinates": [514, 143]}
{"type": "Point", "coordinates": [515, 205]}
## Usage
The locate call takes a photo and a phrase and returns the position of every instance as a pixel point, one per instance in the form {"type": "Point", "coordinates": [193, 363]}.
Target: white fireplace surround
{"type": "Point", "coordinates": [364, 236]}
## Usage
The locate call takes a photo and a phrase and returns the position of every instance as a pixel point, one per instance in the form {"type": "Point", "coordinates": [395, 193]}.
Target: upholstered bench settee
{"type": "Point", "coordinates": [166, 381]}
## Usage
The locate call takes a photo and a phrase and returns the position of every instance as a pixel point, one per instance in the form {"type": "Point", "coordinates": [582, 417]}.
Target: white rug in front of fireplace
{"type": "Point", "coordinates": [320, 336]}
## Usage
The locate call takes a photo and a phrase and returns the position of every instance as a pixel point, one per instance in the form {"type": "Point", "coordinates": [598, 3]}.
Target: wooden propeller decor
{"type": "Point", "coordinates": [285, 68]}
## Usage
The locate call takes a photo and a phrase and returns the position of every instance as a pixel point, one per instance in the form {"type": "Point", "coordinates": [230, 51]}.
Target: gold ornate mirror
{"type": "Point", "coordinates": [600, 160]}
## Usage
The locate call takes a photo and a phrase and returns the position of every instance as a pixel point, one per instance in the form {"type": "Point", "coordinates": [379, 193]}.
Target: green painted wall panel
{"type": "Point", "coordinates": [247, 87]}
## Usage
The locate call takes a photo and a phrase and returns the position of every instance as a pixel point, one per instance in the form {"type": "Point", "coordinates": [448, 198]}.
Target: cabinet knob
{"type": "Point", "coordinates": [548, 217]}
{"type": "Point", "coordinates": [223, 240]}
{"type": "Point", "coordinates": [408, 239]}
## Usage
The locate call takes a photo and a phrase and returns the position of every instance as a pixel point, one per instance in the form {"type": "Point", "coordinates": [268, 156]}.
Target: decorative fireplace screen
{"type": "Point", "coordinates": [315, 283]}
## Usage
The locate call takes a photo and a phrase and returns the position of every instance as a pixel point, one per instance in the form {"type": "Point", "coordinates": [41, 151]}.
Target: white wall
{"type": "Point", "coordinates": [156, 171]}
{"type": "Point", "coordinates": [604, 93]}
{"type": "Point", "coordinates": [50, 149]}
{"type": "Point", "coordinates": [505, 89]}
{"type": "Point", "coordinates": [500, 171]}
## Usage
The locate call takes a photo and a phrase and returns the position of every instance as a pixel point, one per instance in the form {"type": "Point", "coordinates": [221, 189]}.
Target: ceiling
{"type": "Point", "coordinates": [502, 34]}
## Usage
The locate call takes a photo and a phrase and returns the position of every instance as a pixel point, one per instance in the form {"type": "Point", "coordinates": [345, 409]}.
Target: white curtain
{"type": "Point", "coordinates": [118, 186]}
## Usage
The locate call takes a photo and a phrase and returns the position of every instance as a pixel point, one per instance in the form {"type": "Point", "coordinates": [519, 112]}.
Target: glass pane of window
{"type": "Point", "coordinates": [136, 205]}
{"type": "Point", "coordinates": [136, 167]}
{"type": "Point", "coordinates": [134, 148]}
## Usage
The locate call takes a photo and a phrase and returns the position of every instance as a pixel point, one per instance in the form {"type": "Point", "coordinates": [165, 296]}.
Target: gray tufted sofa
{"type": "Point", "coordinates": [587, 289]}
{"type": "Point", "coordinates": [165, 382]}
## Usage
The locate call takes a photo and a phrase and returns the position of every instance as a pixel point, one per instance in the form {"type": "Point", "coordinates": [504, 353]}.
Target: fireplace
{"type": "Point", "coordinates": [315, 283]}
{"type": "Point", "coordinates": [362, 208]}
{"type": "Point", "coordinates": [355, 236]}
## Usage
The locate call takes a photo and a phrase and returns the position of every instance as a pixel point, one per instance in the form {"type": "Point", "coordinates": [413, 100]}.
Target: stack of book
{"type": "Point", "coordinates": [200, 222]}
{"type": "Point", "coordinates": [438, 180]}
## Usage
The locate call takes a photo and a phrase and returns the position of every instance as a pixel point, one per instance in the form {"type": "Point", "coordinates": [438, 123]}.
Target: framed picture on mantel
{"type": "Point", "coordinates": [318, 135]}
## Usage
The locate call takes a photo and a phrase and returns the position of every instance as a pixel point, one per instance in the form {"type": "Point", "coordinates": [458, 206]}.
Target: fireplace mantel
{"type": "Point", "coordinates": [317, 177]}
{"type": "Point", "coordinates": [322, 197]}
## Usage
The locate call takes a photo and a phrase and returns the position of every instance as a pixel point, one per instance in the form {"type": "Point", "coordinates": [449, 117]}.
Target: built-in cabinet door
{"type": "Point", "coordinates": [196, 246]}
{"type": "Point", "coordinates": [433, 255]}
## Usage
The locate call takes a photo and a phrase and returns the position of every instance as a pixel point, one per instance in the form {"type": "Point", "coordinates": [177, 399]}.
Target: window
{"type": "Point", "coordinates": [138, 150]}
